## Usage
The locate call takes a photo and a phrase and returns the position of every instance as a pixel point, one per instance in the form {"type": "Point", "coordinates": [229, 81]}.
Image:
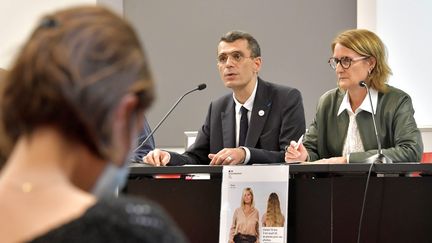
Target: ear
{"type": "Point", "coordinates": [124, 127]}
{"type": "Point", "coordinates": [372, 63]}
{"type": "Point", "coordinates": [257, 63]}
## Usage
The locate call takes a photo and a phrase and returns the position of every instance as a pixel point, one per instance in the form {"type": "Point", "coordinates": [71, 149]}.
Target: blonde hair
{"type": "Point", "coordinates": [368, 44]}
{"type": "Point", "coordinates": [247, 189]}
{"type": "Point", "coordinates": [274, 216]}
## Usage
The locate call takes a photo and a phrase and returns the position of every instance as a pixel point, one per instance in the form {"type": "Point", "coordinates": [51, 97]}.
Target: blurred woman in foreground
{"type": "Point", "coordinates": [71, 105]}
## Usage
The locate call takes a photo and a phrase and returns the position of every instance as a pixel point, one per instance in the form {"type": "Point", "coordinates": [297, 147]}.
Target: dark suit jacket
{"type": "Point", "coordinates": [142, 150]}
{"type": "Point", "coordinates": [283, 120]}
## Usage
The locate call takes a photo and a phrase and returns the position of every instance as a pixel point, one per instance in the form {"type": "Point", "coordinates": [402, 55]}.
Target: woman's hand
{"type": "Point", "coordinates": [295, 153]}
{"type": "Point", "coordinates": [332, 160]}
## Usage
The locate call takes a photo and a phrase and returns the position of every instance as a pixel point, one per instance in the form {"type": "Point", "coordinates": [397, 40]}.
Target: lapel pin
{"type": "Point", "coordinates": [261, 113]}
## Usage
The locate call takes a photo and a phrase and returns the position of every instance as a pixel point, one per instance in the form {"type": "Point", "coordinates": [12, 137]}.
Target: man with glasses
{"type": "Point", "coordinates": [343, 129]}
{"type": "Point", "coordinates": [253, 124]}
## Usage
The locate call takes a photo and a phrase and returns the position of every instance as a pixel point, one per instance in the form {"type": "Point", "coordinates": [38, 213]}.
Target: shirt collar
{"type": "Point", "coordinates": [248, 103]}
{"type": "Point", "coordinates": [365, 105]}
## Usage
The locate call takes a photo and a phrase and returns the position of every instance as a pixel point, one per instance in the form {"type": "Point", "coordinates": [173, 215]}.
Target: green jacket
{"type": "Point", "coordinates": [400, 138]}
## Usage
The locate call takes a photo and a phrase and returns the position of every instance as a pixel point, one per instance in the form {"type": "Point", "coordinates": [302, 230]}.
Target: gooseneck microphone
{"type": "Point", "coordinates": [380, 157]}
{"type": "Point", "coordinates": [199, 87]}
{"type": "Point", "coordinates": [374, 159]}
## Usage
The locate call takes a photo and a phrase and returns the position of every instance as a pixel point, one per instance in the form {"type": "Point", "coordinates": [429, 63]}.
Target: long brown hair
{"type": "Point", "coordinates": [71, 74]}
{"type": "Point", "coordinates": [274, 216]}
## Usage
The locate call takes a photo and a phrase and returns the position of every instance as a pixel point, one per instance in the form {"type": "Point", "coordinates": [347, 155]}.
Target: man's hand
{"type": "Point", "coordinates": [228, 156]}
{"type": "Point", "coordinates": [157, 157]}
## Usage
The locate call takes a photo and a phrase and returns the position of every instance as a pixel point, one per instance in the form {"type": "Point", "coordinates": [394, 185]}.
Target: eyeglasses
{"type": "Point", "coordinates": [344, 61]}
{"type": "Point", "coordinates": [236, 57]}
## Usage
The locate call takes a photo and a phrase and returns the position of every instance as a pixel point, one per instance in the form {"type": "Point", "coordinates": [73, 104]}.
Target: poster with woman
{"type": "Point", "coordinates": [254, 204]}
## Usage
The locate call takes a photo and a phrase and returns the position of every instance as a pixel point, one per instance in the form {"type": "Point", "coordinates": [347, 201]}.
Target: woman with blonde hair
{"type": "Point", "coordinates": [343, 129]}
{"type": "Point", "coordinates": [245, 224]}
{"type": "Point", "coordinates": [273, 217]}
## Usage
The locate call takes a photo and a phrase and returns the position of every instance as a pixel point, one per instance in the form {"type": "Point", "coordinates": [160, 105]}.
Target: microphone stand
{"type": "Point", "coordinates": [200, 87]}
{"type": "Point", "coordinates": [380, 157]}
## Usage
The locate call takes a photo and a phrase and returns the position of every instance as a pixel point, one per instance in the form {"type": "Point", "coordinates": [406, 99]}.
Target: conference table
{"type": "Point", "coordinates": [324, 204]}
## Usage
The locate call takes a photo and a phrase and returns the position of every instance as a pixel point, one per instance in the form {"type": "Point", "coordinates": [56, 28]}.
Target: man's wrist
{"type": "Point", "coordinates": [247, 155]}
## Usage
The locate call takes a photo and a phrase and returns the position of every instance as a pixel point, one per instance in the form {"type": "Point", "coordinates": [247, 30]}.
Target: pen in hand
{"type": "Point", "coordinates": [297, 145]}
{"type": "Point", "coordinates": [299, 142]}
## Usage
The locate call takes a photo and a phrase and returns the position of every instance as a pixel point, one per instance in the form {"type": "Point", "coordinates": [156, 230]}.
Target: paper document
{"type": "Point", "coordinates": [254, 204]}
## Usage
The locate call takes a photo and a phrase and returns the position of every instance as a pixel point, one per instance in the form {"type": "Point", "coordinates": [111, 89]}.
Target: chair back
{"type": "Point", "coordinates": [427, 157]}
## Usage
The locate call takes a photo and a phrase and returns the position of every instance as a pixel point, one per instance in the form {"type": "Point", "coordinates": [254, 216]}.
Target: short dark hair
{"type": "Point", "coordinates": [72, 73]}
{"type": "Point", "coordinates": [241, 35]}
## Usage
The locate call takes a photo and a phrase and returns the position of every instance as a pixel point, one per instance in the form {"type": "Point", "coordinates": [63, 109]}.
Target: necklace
{"type": "Point", "coordinates": [27, 187]}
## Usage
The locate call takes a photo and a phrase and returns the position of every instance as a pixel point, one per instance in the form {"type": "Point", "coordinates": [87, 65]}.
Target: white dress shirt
{"type": "Point", "coordinates": [248, 105]}
{"type": "Point", "coordinates": [353, 142]}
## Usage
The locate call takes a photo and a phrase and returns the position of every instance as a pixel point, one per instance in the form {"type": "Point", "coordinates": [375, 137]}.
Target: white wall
{"type": "Point", "coordinates": [366, 14]}
{"type": "Point", "coordinates": [406, 29]}
{"type": "Point", "coordinates": [19, 17]}
{"type": "Point", "coordinates": [116, 5]}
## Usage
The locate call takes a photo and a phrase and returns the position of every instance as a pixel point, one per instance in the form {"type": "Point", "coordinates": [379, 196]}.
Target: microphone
{"type": "Point", "coordinates": [380, 157]}
{"type": "Point", "coordinates": [199, 87]}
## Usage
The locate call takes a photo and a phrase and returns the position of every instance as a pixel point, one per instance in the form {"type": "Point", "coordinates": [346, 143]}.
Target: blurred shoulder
{"type": "Point", "coordinates": [117, 220]}
{"type": "Point", "coordinates": [144, 219]}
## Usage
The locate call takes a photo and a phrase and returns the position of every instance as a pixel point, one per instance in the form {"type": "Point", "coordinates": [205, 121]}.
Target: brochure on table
{"type": "Point", "coordinates": [263, 187]}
